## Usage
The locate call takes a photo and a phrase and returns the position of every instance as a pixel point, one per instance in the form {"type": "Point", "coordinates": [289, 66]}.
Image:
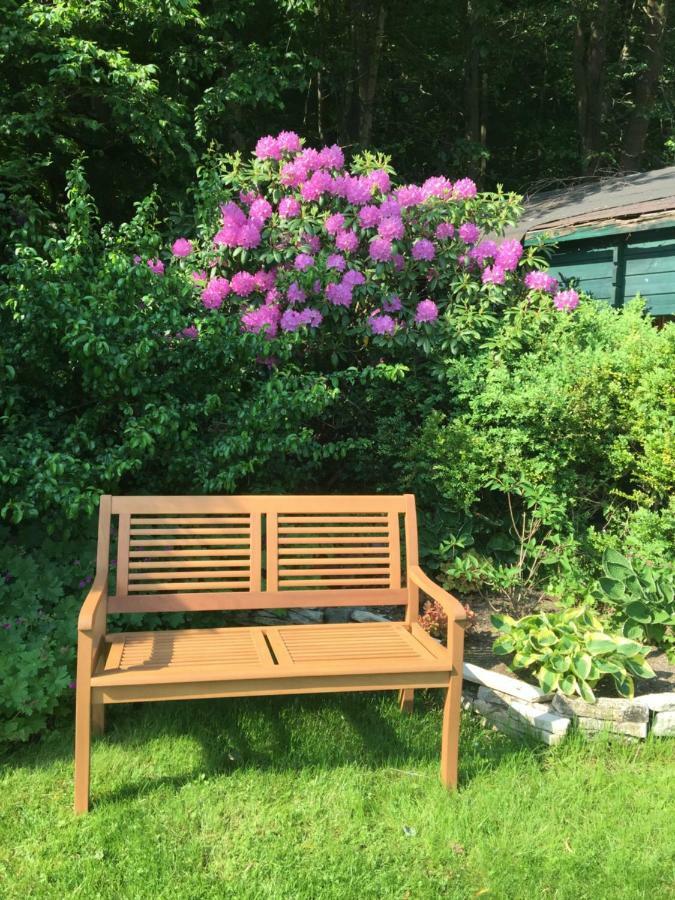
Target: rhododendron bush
{"type": "Point", "coordinates": [295, 239]}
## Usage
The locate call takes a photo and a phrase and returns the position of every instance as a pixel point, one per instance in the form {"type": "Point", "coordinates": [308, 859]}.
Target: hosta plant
{"type": "Point", "coordinates": [643, 599]}
{"type": "Point", "coordinates": [571, 652]}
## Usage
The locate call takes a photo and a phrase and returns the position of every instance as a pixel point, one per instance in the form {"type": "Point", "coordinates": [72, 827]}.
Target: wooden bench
{"type": "Point", "coordinates": [178, 554]}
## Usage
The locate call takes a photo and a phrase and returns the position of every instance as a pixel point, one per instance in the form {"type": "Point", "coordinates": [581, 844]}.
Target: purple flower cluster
{"type": "Point", "coordinates": [566, 301]}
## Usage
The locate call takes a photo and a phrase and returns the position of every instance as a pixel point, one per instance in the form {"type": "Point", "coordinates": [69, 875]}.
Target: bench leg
{"type": "Point", "coordinates": [82, 748]}
{"type": "Point", "coordinates": [450, 735]}
{"type": "Point", "coordinates": [98, 718]}
{"type": "Point", "coordinates": [406, 697]}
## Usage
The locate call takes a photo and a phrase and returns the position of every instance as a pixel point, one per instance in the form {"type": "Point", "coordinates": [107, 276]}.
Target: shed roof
{"type": "Point", "coordinates": [619, 201]}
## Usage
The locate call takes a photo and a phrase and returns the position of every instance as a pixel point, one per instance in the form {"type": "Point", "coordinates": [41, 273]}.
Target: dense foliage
{"type": "Point", "coordinates": [515, 93]}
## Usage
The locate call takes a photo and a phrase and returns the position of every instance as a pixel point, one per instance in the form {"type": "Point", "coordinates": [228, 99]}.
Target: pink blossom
{"type": "Point", "coordinates": [444, 230]}
{"type": "Point", "coordinates": [309, 158]}
{"type": "Point", "coordinates": [380, 250]}
{"type": "Point", "coordinates": [427, 311]}
{"type": "Point", "coordinates": [332, 157]}
{"type": "Point", "coordinates": [390, 207]}
{"type": "Point", "coordinates": [336, 261]}
{"type": "Point", "coordinates": [313, 317]}
{"type": "Point", "coordinates": [272, 296]}
{"type": "Point", "coordinates": [508, 254]}
{"type": "Point", "coordinates": [483, 251]}
{"type": "Point", "coordinates": [369, 216]}
{"type": "Point", "coordinates": [339, 294]}
{"type": "Point", "coordinates": [381, 324]}
{"type": "Point", "coordinates": [247, 197]}
{"type": "Point", "coordinates": [541, 281]}
{"type": "Point", "coordinates": [289, 208]}
{"type": "Point", "coordinates": [249, 236]}
{"type": "Point", "coordinates": [464, 189]}
{"type": "Point", "coordinates": [137, 259]}
{"type": "Point", "coordinates": [566, 300]}
{"type": "Point", "coordinates": [313, 241]}
{"type": "Point", "coordinates": [303, 261]}
{"type": "Point", "coordinates": [232, 214]}
{"type": "Point", "coordinates": [264, 318]}
{"type": "Point", "coordinates": [353, 278]}
{"type": "Point", "coordinates": [198, 277]}
{"type": "Point", "coordinates": [423, 249]}
{"type": "Point", "coordinates": [295, 293]}
{"type": "Point", "coordinates": [469, 232]}
{"type": "Point", "coordinates": [215, 292]}
{"type": "Point", "coordinates": [264, 281]}
{"type": "Point", "coordinates": [493, 274]}
{"type": "Point", "coordinates": [228, 236]}
{"type": "Point", "coordinates": [293, 174]}
{"type": "Point", "coordinates": [359, 191]}
{"type": "Point", "coordinates": [191, 333]}
{"type": "Point", "coordinates": [181, 248]}
{"type": "Point", "coordinates": [288, 142]}
{"type": "Point", "coordinates": [268, 148]}
{"type": "Point", "coordinates": [293, 319]}
{"type": "Point", "coordinates": [347, 241]}
{"type": "Point", "coordinates": [409, 195]}
{"type": "Point", "coordinates": [334, 223]}
{"type": "Point", "coordinates": [438, 186]}
{"type": "Point", "coordinates": [243, 283]}
{"type": "Point", "coordinates": [156, 266]}
{"type": "Point", "coordinates": [393, 304]}
{"type": "Point", "coordinates": [260, 210]}
{"type": "Point", "coordinates": [399, 262]}
{"type": "Point", "coordinates": [379, 179]}
{"type": "Point", "coordinates": [391, 228]}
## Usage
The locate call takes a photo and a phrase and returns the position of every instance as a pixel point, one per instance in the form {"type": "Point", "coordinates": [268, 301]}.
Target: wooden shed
{"type": "Point", "coordinates": [614, 236]}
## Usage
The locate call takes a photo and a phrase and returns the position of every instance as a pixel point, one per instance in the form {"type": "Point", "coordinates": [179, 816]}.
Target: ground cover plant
{"type": "Point", "coordinates": [332, 797]}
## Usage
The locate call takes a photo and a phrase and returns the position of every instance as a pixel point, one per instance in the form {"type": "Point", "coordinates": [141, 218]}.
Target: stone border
{"type": "Point", "coordinates": [520, 709]}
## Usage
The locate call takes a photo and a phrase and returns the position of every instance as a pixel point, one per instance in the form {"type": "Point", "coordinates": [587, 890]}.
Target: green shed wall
{"type": "Point", "coordinates": [616, 265]}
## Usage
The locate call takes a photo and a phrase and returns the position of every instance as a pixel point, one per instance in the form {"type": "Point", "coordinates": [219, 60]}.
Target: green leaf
{"type": "Point", "coordinates": [640, 667]}
{"type": "Point", "coordinates": [616, 565]}
{"type": "Point", "coordinates": [548, 680]}
{"type": "Point", "coordinates": [560, 663]}
{"type": "Point", "coordinates": [624, 685]}
{"type": "Point", "coordinates": [638, 611]}
{"type": "Point", "coordinates": [613, 588]}
{"type": "Point", "coordinates": [545, 637]}
{"type": "Point", "coordinates": [581, 665]}
{"type": "Point", "coordinates": [599, 642]}
{"type": "Point", "coordinates": [568, 685]}
{"type": "Point", "coordinates": [502, 622]}
{"type": "Point", "coordinates": [624, 647]}
{"type": "Point", "coordinates": [585, 691]}
{"type": "Point", "coordinates": [504, 645]}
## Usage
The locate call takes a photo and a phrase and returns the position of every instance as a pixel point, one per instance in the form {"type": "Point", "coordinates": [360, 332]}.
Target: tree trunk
{"type": "Point", "coordinates": [475, 90]}
{"type": "Point", "coordinates": [635, 134]}
{"type": "Point", "coordinates": [370, 37]}
{"type": "Point", "coordinates": [590, 52]}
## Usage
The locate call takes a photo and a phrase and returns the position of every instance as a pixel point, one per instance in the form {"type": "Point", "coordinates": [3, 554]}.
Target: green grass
{"type": "Point", "coordinates": [333, 797]}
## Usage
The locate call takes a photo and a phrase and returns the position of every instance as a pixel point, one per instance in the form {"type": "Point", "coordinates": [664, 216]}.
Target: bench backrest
{"type": "Point", "coordinates": [247, 552]}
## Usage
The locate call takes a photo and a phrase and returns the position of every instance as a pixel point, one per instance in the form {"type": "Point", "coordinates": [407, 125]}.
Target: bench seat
{"type": "Point", "coordinates": [235, 654]}
{"type": "Point", "coordinates": [209, 554]}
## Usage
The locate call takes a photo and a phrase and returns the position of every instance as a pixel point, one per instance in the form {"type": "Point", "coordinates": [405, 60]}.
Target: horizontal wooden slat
{"type": "Point", "coordinates": [224, 564]}
{"type": "Point", "coordinates": [185, 601]}
{"type": "Point", "coordinates": [322, 518]}
{"type": "Point", "coordinates": [340, 540]}
{"type": "Point", "coordinates": [187, 531]}
{"type": "Point", "coordinates": [197, 573]}
{"type": "Point", "coordinates": [287, 503]}
{"type": "Point", "coordinates": [323, 582]}
{"type": "Point", "coordinates": [320, 553]}
{"type": "Point", "coordinates": [179, 587]}
{"type": "Point", "coordinates": [188, 542]}
{"type": "Point", "coordinates": [243, 519]}
{"type": "Point", "coordinates": [207, 552]}
{"type": "Point", "coordinates": [380, 561]}
{"type": "Point", "coordinates": [376, 570]}
{"type": "Point", "coordinates": [333, 529]}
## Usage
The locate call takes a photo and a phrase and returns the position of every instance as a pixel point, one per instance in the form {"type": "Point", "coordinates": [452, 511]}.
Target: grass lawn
{"type": "Point", "coordinates": [333, 797]}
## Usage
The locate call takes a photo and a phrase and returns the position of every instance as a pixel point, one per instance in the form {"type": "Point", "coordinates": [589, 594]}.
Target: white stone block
{"type": "Point", "coordinates": [664, 724]}
{"type": "Point", "coordinates": [505, 684]}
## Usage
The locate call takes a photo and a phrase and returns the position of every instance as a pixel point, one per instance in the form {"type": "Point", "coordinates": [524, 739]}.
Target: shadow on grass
{"type": "Point", "coordinates": [278, 734]}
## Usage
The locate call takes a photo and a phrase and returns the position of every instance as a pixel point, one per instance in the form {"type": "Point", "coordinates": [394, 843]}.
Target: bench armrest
{"type": "Point", "coordinates": [95, 602]}
{"type": "Point", "coordinates": [453, 608]}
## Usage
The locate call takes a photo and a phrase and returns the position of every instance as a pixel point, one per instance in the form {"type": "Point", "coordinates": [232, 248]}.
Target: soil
{"type": "Point", "coordinates": [478, 650]}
